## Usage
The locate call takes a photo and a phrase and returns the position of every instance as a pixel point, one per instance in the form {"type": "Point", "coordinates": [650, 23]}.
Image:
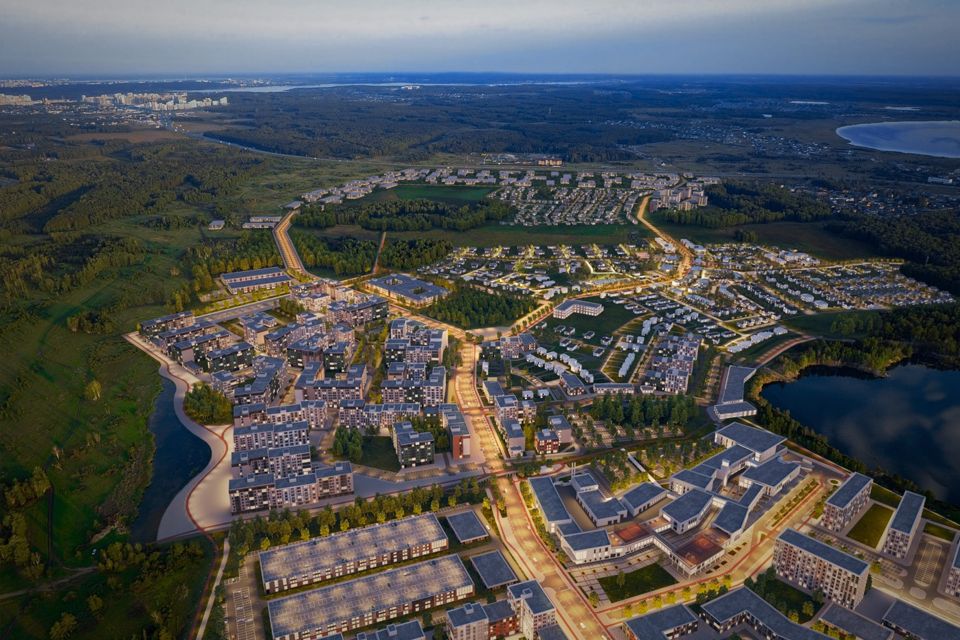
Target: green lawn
{"type": "Point", "coordinates": [869, 529]}
{"type": "Point", "coordinates": [644, 580]}
{"type": "Point", "coordinates": [811, 237]}
{"type": "Point", "coordinates": [610, 319]}
{"type": "Point", "coordinates": [884, 496]}
{"type": "Point", "coordinates": [821, 324]}
{"type": "Point", "coordinates": [939, 531]}
{"type": "Point", "coordinates": [787, 598]}
{"type": "Point", "coordinates": [378, 453]}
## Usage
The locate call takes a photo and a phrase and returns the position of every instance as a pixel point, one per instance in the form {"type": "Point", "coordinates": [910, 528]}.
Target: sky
{"type": "Point", "coordinates": [195, 37]}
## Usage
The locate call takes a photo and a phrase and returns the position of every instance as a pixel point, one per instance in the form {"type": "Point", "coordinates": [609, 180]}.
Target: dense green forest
{"type": "Point", "coordinates": [736, 203]}
{"type": "Point", "coordinates": [207, 406]}
{"type": "Point", "coordinates": [407, 215]}
{"type": "Point", "coordinates": [639, 412]}
{"type": "Point", "coordinates": [410, 254]}
{"type": "Point", "coordinates": [344, 256]}
{"type": "Point", "coordinates": [930, 241]}
{"type": "Point", "coordinates": [471, 308]}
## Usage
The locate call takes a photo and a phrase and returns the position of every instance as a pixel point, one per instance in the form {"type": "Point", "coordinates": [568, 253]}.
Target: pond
{"type": "Point", "coordinates": [907, 422]}
{"type": "Point", "coordinates": [180, 456]}
{"type": "Point", "coordinates": [937, 138]}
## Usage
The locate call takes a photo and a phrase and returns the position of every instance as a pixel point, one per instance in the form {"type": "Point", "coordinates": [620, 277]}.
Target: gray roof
{"type": "Point", "coordinates": [771, 473]}
{"type": "Point", "coordinates": [742, 600]}
{"type": "Point", "coordinates": [656, 625]}
{"type": "Point", "coordinates": [956, 558]}
{"type": "Point", "coordinates": [732, 456]}
{"type": "Point", "coordinates": [550, 503]}
{"type": "Point", "coordinates": [467, 526]}
{"type": "Point", "coordinates": [757, 440]}
{"type": "Point", "coordinates": [919, 623]}
{"type": "Point", "coordinates": [731, 518]}
{"type": "Point", "coordinates": [252, 273]}
{"type": "Point", "coordinates": [533, 594]}
{"type": "Point", "coordinates": [588, 539]}
{"type": "Point", "coordinates": [694, 479]}
{"type": "Point", "coordinates": [321, 608]}
{"type": "Point", "coordinates": [407, 286]}
{"type": "Point", "coordinates": [499, 610]}
{"type": "Point", "coordinates": [467, 614]}
{"type": "Point", "coordinates": [321, 554]}
{"type": "Point", "coordinates": [687, 506]}
{"type": "Point", "coordinates": [854, 623]}
{"type": "Point", "coordinates": [909, 510]}
{"type": "Point", "coordinates": [642, 494]}
{"type": "Point", "coordinates": [568, 528]}
{"type": "Point", "coordinates": [750, 495]}
{"type": "Point", "coordinates": [403, 631]}
{"type": "Point", "coordinates": [824, 551]}
{"type": "Point", "coordinates": [601, 507]}
{"type": "Point", "coordinates": [493, 569]}
{"type": "Point", "coordinates": [733, 381]}
{"type": "Point", "coordinates": [848, 490]}
{"type": "Point", "coordinates": [551, 632]}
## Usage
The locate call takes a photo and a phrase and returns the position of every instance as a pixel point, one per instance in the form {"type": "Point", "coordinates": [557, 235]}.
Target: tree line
{"type": "Point", "coordinates": [410, 254]}
{"type": "Point", "coordinates": [206, 405]}
{"type": "Point", "coordinates": [344, 256]}
{"type": "Point", "coordinates": [470, 308]}
{"type": "Point", "coordinates": [736, 203]}
{"type": "Point", "coordinates": [408, 215]}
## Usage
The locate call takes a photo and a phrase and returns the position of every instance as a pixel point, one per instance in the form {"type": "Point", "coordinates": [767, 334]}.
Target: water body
{"type": "Point", "coordinates": [937, 138]}
{"type": "Point", "coordinates": [180, 455]}
{"type": "Point", "coordinates": [907, 422]}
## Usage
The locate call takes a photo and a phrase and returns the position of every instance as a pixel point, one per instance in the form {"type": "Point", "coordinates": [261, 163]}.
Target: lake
{"type": "Point", "coordinates": [908, 422]}
{"type": "Point", "coordinates": [180, 455]}
{"type": "Point", "coordinates": [940, 139]}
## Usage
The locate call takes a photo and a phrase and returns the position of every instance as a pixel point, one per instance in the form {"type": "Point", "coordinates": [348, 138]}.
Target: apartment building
{"type": "Point", "coordinates": [254, 279]}
{"type": "Point", "coordinates": [584, 307]}
{"type": "Point", "coordinates": [847, 502]}
{"type": "Point", "coordinates": [813, 565]}
{"type": "Point", "coordinates": [267, 491]}
{"type": "Point", "coordinates": [904, 525]}
{"type": "Point", "coordinates": [533, 608]}
{"type": "Point", "coordinates": [953, 574]}
{"type": "Point", "coordinates": [414, 448]}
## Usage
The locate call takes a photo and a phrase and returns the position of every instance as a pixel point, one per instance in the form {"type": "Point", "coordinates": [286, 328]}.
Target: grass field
{"type": "Point", "coordinates": [811, 237]}
{"type": "Point", "coordinates": [643, 580]}
{"type": "Point", "coordinates": [821, 324]}
{"type": "Point", "coordinates": [884, 496]}
{"type": "Point", "coordinates": [610, 319]}
{"type": "Point", "coordinates": [939, 531]}
{"type": "Point", "coordinates": [869, 529]}
{"type": "Point", "coordinates": [378, 453]}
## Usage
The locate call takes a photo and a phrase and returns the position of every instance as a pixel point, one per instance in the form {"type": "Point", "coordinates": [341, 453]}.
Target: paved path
{"type": "Point", "coordinates": [213, 591]}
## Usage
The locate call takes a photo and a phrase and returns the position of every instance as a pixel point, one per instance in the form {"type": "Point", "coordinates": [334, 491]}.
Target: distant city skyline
{"type": "Point", "coordinates": [842, 37]}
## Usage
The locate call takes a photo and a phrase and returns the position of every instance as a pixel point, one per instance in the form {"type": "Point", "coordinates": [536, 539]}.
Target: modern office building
{"type": "Point", "coordinates": [847, 502]}
{"type": "Point", "coordinates": [904, 525]}
{"type": "Point", "coordinates": [352, 551]}
{"type": "Point", "coordinates": [813, 565]}
{"type": "Point", "coordinates": [584, 307]}
{"type": "Point", "coordinates": [369, 600]}
{"type": "Point", "coordinates": [407, 289]}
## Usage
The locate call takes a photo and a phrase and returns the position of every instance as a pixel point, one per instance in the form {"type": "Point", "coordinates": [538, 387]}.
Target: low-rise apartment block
{"type": "Point", "coordinates": [413, 448]}
{"type": "Point", "coordinates": [254, 279]}
{"type": "Point", "coordinates": [904, 525]}
{"type": "Point", "coordinates": [814, 565]}
{"type": "Point", "coordinates": [268, 491]}
{"type": "Point", "coordinates": [584, 307]}
{"type": "Point", "coordinates": [847, 502]}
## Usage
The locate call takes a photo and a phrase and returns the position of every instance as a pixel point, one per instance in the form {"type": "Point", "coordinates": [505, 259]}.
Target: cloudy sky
{"type": "Point", "coordinates": [910, 37]}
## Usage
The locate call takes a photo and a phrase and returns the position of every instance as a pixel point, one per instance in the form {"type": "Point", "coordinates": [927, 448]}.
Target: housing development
{"type": "Point", "coordinates": [595, 467]}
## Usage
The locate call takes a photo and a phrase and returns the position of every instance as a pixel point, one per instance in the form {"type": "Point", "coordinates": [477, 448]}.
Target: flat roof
{"type": "Point", "coordinates": [854, 623]}
{"type": "Point", "coordinates": [498, 610]}
{"type": "Point", "coordinates": [642, 494]}
{"type": "Point", "coordinates": [320, 554]}
{"type": "Point", "coordinates": [403, 631]}
{"type": "Point", "coordinates": [409, 287]}
{"type": "Point", "coordinates": [919, 623]}
{"type": "Point", "coordinates": [772, 472]}
{"type": "Point", "coordinates": [533, 594]}
{"type": "Point", "coordinates": [691, 477]}
{"type": "Point", "coordinates": [908, 511]}
{"type": "Point", "coordinates": [251, 273]}
{"type": "Point", "coordinates": [657, 624]}
{"type": "Point", "coordinates": [731, 518]}
{"type": "Point", "coordinates": [848, 490]}
{"type": "Point", "coordinates": [551, 632]}
{"type": "Point", "coordinates": [732, 456]}
{"type": "Point", "coordinates": [757, 440]}
{"type": "Point", "coordinates": [601, 507]}
{"type": "Point", "coordinates": [956, 557]}
{"type": "Point", "coordinates": [700, 549]}
{"type": "Point", "coordinates": [588, 539]}
{"type": "Point", "coordinates": [688, 506]}
{"type": "Point", "coordinates": [338, 603]}
{"type": "Point", "coordinates": [732, 388]}
{"type": "Point", "coordinates": [467, 614]}
{"type": "Point", "coordinates": [467, 526]}
{"type": "Point", "coordinates": [551, 505]}
{"type": "Point", "coordinates": [566, 304]}
{"type": "Point", "coordinates": [824, 551]}
{"type": "Point", "coordinates": [742, 600]}
{"type": "Point", "coordinates": [493, 569]}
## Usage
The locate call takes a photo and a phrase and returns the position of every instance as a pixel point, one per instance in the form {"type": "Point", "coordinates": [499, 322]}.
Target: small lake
{"type": "Point", "coordinates": [908, 422]}
{"type": "Point", "coordinates": [180, 455]}
{"type": "Point", "coordinates": [940, 139]}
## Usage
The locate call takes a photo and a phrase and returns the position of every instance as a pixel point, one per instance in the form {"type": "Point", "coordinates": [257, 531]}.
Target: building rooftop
{"type": "Point", "coordinates": [699, 550]}
{"type": "Point", "coordinates": [688, 506]}
{"type": "Point", "coordinates": [403, 631]}
{"type": "Point", "coordinates": [601, 507]}
{"type": "Point", "coordinates": [918, 623]}
{"type": "Point", "coordinates": [732, 388]}
{"type": "Point", "coordinates": [655, 626]}
{"type": "Point", "coordinates": [467, 614]}
{"type": "Point", "coordinates": [531, 592]}
{"type": "Point", "coordinates": [693, 478]}
{"type": "Point", "coordinates": [499, 610]}
{"type": "Point", "coordinates": [319, 609]}
{"type": "Point", "coordinates": [252, 273]}
{"type": "Point", "coordinates": [854, 623]}
{"type": "Point", "coordinates": [743, 600]}
{"type": "Point", "coordinates": [550, 502]}
{"type": "Point", "coordinates": [493, 569]}
{"type": "Point", "coordinates": [320, 554]}
{"type": "Point", "coordinates": [551, 632]}
{"type": "Point", "coordinates": [757, 440]}
{"type": "Point", "coordinates": [771, 473]}
{"type": "Point", "coordinates": [642, 494]}
{"type": "Point", "coordinates": [850, 488]}
{"type": "Point", "coordinates": [467, 526]}
{"type": "Point", "coordinates": [824, 551]}
{"type": "Point", "coordinates": [588, 539]}
{"type": "Point", "coordinates": [731, 519]}
{"type": "Point", "coordinates": [401, 284]}
{"type": "Point", "coordinates": [909, 510]}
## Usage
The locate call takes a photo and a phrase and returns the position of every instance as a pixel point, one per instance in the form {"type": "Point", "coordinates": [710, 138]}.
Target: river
{"type": "Point", "coordinates": [180, 455]}
{"type": "Point", "coordinates": [907, 422]}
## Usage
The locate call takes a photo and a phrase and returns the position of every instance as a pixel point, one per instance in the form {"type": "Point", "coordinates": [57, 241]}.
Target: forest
{"type": "Point", "coordinates": [344, 256]}
{"type": "Point", "coordinates": [207, 406]}
{"type": "Point", "coordinates": [410, 254]}
{"type": "Point", "coordinates": [470, 308]}
{"type": "Point", "coordinates": [736, 203]}
{"type": "Point", "coordinates": [407, 215]}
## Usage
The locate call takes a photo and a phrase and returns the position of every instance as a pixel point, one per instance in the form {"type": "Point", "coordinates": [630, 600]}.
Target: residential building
{"type": "Point", "coordinates": [665, 624]}
{"type": "Point", "coordinates": [584, 307]}
{"type": "Point", "coordinates": [953, 574]}
{"type": "Point", "coordinates": [814, 565]}
{"type": "Point", "coordinates": [254, 279]}
{"type": "Point", "coordinates": [266, 491]}
{"type": "Point", "coordinates": [414, 448]}
{"type": "Point", "coordinates": [904, 525]}
{"type": "Point", "coordinates": [914, 623]}
{"type": "Point", "coordinates": [532, 606]}
{"type": "Point", "coordinates": [407, 289]}
{"type": "Point", "coordinates": [847, 502]}
{"type": "Point", "coordinates": [743, 606]}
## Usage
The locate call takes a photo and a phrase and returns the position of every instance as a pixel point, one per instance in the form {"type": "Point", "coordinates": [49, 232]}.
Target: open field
{"type": "Point", "coordinates": [378, 452]}
{"type": "Point", "coordinates": [612, 318]}
{"type": "Point", "coordinates": [643, 580]}
{"type": "Point", "coordinates": [869, 529]}
{"type": "Point", "coordinates": [821, 324]}
{"type": "Point", "coordinates": [810, 237]}
{"type": "Point", "coordinates": [939, 531]}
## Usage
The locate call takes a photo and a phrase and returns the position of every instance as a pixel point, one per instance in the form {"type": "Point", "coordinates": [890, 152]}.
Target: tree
{"type": "Point", "coordinates": [93, 390]}
{"type": "Point", "coordinates": [594, 599]}
{"type": "Point", "coordinates": [64, 627]}
{"type": "Point", "coordinates": [95, 604]}
{"type": "Point", "coordinates": [808, 609]}
{"type": "Point", "coordinates": [621, 579]}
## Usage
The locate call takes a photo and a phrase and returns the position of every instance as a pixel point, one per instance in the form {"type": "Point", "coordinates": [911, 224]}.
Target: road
{"type": "Point", "coordinates": [281, 235]}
